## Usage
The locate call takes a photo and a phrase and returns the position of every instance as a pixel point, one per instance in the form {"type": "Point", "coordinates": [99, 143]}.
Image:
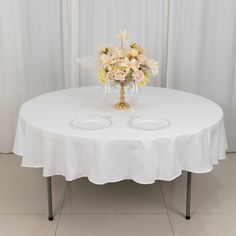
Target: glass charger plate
{"type": "Point", "coordinates": [149, 123]}
{"type": "Point", "coordinates": [91, 123]}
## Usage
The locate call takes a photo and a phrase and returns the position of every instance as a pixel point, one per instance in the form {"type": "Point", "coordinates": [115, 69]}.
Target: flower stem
{"type": "Point", "coordinates": [121, 43]}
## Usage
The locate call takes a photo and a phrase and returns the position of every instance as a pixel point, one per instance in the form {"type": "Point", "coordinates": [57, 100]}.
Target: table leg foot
{"type": "Point", "coordinates": [188, 197]}
{"type": "Point", "coordinates": [50, 209]}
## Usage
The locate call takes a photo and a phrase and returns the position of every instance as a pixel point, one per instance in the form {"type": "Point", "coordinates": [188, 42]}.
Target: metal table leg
{"type": "Point", "coordinates": [188, 197]}
{"type": "Point", "coordinates": [50, 210]}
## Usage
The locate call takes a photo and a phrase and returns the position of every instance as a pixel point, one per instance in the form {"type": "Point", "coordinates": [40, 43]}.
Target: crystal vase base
{"type": "Point", "coordinates": [122, 106]}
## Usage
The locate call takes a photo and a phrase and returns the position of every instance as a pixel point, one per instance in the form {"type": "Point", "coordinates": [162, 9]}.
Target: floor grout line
{"type": "Point", "coordinates": [167, 212]}
{"type": "Point", "coordinates": [118, 213]}
{"type": "Point", "coordinates": [115, 213]}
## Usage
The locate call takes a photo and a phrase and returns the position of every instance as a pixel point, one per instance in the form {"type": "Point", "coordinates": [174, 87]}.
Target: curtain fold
{"type": "Point", "coordinates": [30, 58]}
{"type": "Point", "coordinates": [11, 66]}
{"type": "Point", "coordinates": [202, 54]}
{"type": "Point", "coordinates": [70, 41]}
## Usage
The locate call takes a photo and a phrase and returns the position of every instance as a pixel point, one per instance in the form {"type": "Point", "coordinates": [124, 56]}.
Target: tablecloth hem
{"type": "Point", "coordinates": [92, 180]}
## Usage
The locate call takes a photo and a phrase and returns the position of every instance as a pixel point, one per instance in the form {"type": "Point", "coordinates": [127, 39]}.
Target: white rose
{"type": "Point", "coordinates": [133, 64]}
{"type": "Point", "coordinates": [112, 60]}
{"type": "Point", "coordinates": [123, 62]}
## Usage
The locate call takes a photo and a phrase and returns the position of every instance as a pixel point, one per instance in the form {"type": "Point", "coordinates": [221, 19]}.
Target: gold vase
{"type": "Point", "coordinates": [122, 105]}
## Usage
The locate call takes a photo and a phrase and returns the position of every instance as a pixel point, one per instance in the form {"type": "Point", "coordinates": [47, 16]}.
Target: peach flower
{"type": "Point", "coordinates": [138, 76]}
{"type": "Point", "coordinates": [109, 76]}
{"type": "Point", "coordinates": [120, 75]}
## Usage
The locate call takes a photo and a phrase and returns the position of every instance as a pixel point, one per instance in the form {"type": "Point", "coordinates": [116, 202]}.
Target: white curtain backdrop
{"type": "Point", "coordinates": [30, 57]}
{"type": "Point", "coordinates": [70, 25]}
{"type": "Point", "coordinates": [40, 41]}
{"type": "Point", "coordinates": [202, 54]}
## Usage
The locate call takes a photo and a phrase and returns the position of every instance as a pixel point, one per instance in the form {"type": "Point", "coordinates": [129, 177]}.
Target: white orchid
{"type": "Point", "coordinates": [123, 35]}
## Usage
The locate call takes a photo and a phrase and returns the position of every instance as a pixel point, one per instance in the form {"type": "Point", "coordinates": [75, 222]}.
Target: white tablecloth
{"type": "Point", "coordinates": [194, 141]}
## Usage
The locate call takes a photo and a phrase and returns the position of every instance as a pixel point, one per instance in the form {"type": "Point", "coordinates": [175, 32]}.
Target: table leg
{"type": "Point", "coordinates": [188, 197]}
{"type": "Point", "coordinates": [49, 187]}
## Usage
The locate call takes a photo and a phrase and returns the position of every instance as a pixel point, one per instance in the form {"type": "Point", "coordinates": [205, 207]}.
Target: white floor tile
{"type": "Point", "coordinates": [214, 192]}
{"type": "Point", "coordinates": [231, 158]}
{"type": "Point", "coordinates": [25, 191]}
{"type": "Point", "coordinates": [114, 225]}
{"type": "Point", "coordinates": [10, 161]}
{"type": "Point", "coordinates": [27, 225]}
{"type": "Point", "coordinates": [126, 197]}
{"type": "Point", "coordinates": [204, 225]}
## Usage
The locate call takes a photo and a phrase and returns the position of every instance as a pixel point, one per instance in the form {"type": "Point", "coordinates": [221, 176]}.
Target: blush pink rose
{"type": "Point", "coordinates": [138, 75]}
{"type": "Point", "coordinates": [120, 75]}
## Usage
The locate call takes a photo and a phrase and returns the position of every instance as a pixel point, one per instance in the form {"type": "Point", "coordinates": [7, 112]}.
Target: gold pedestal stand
{"type": "Point", "coordinates": [122, 105]}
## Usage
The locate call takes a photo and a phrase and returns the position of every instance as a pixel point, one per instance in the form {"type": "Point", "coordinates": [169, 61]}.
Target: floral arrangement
{"type": "Point", "coordinates": [125, 65]}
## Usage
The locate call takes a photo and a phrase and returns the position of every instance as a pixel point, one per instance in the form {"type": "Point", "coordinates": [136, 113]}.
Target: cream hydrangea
{"type": "Point", "coordinates": [153, 66]}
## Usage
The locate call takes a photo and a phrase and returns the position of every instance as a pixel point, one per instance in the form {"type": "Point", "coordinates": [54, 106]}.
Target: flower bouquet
{"type": "Point", "coordinates": [125, 66]}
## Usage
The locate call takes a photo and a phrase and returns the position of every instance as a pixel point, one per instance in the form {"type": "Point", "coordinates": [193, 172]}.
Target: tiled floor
{"type": "Point", "coordinates": [119, 209]}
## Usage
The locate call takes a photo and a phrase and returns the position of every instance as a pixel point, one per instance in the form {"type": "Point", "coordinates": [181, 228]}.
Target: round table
{"type": "Point", "coordinates": [194, 141]}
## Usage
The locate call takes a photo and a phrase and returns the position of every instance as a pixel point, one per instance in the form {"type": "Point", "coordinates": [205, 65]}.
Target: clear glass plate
{"type": "Point", "coordinates": [91, 123]}
{"type": "Point", "coordinates": [149, 123]}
